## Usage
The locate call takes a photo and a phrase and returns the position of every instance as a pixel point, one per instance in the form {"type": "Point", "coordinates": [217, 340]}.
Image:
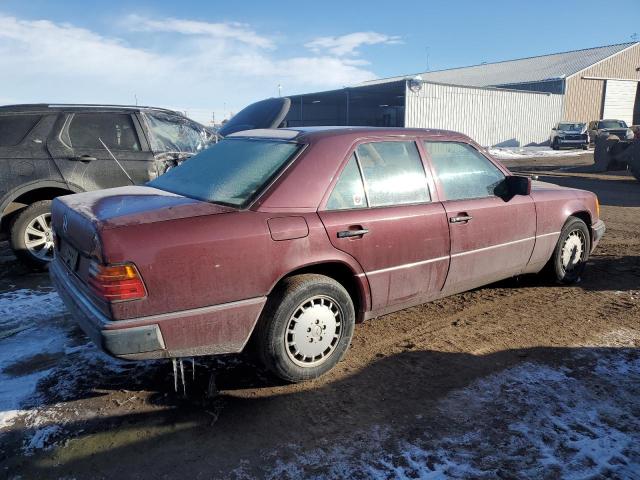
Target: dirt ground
{"type": "Point", "coordinates": [519, 379]}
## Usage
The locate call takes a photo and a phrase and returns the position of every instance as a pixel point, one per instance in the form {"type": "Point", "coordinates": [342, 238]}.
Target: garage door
{"type": "Point", "coordinates": [620, 97]}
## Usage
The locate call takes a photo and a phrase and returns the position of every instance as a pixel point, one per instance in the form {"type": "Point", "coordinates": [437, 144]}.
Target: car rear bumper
{"type": "Point", "coordinates": [211, 330]}
{"type": "Point", "coordinates": [597, 232]}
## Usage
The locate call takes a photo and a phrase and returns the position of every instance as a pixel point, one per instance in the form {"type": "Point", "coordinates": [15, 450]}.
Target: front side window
{"type": "Point", "coordinates": [230, 172]}
{"type": "Point", "coordinates": [116, 130]}
{"type": "Point", "coordinates": [393, 173]}
{"type": "Point", "coordinates": [462, 171]}
{"type": "Point", "coordinates": [169, 133]}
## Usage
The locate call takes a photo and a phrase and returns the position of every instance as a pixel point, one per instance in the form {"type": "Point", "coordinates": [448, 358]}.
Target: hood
{"type": "Point", "coordinates": [269, 113]}
{"type": "Point", "coordinates": [136, 205]}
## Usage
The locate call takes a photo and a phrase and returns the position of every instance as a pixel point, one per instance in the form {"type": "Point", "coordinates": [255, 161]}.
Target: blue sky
{"type": "Point", "coordinates": [208, 56]}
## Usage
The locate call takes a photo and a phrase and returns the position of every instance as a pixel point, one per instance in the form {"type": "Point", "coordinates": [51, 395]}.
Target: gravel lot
{"type": "Point", "coordinates": [519, 379]}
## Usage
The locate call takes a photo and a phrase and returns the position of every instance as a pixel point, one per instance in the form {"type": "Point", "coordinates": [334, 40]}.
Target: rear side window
{"type": "Point", "coordinates": [393, 173]}
{"type": "Point", "coordinates": [13, 128]}
{"type": "Point", "coordinates": [349, 191]}
{"type": "Point", "coordinates": [116, 130]}
{"type": "Point", "coordinates": [462, 171]}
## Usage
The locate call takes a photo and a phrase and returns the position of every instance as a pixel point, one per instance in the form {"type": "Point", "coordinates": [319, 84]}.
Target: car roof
{"type": "Point", "coordinates": [58, 107]}
{"type": "Point", "coordinates": [310, 133]}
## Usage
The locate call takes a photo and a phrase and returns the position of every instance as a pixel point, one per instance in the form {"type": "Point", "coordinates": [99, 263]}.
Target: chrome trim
{"type": "Point", "coordinates": [461, 254]}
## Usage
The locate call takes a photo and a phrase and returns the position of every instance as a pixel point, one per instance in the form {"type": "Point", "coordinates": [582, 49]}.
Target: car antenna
{"type": "Point", "coordinates": [116, 160]}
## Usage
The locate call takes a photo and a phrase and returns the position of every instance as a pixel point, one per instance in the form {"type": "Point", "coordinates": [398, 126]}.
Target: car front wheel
{"type": "Point", "coordinates": [31, 235]}
{"type": "Point", "coordinates": [571, 253]}
{"type": "Point", "coordinates": [306, 327]}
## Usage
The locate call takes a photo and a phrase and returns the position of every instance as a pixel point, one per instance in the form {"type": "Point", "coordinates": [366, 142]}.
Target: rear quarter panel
{"type": "Point", "coordinates": [211, 260]}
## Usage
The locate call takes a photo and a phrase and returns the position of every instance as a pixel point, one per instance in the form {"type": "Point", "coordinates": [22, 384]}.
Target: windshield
{"type": "Point", "coordinates": [571, 127]}
{"type": "Point", "coordinates": [230, 172]}
{"type": "Point", "coordinates": [170, 133]}
{"type": "Point", "coordinates": [612, 124]}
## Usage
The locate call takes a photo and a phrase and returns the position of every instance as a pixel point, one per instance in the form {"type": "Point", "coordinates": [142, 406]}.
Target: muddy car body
{"type": "Point", "coordinates": [352, 223]}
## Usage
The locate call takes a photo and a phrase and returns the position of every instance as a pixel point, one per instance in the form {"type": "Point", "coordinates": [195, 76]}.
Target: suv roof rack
{"type": "Point", "coordinates": [87, 105]}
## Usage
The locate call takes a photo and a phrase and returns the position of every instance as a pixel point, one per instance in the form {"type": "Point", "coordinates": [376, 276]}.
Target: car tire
{"type": "Point", "coordinates": [305, 328]}
{"type": "Point", "coordinates": [574, 240]}
{"type": "Point", "coordinates": [554, 144]}
{"type": "Point", "coordinates": [34, 249]}
{"type": "Point", "coordinates": [585, 146]}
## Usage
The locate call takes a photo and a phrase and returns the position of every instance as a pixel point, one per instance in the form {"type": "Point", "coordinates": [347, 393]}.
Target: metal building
{"type": "Point", "coordinates": [508, 103]}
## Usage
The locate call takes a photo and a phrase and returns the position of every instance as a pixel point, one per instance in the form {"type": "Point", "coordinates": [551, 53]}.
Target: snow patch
{"type": "Point", "coordinates": [533, 419]}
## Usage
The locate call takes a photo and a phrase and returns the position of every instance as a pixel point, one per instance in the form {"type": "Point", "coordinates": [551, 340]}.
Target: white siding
{"type": "Point", "coordinates": [489, 116]}
{"type": "Point", "coordinates": [619, 100]}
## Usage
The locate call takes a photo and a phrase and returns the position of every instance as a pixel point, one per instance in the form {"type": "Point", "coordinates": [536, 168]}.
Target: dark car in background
{"type": "Point", "coordinates": [618, 128]}
{"type": "Point", "coordinates": [51, 150]}
{"type": "Point", "coordinates": [569, 134]}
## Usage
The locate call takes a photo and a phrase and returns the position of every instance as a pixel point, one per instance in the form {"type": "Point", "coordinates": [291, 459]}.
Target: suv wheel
{"type": "Point", "coordinates": [31, 235]}
{"type": "Point", "coordinates": [306, 327]}
{"type": "Point", "coordinates": [554, 144]}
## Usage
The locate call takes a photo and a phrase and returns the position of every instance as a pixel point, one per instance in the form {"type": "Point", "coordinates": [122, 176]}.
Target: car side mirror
{"type": "Point", "coordinates": [511, 186]}
{"type": "Point", "coordinates": [518, 185]}
{"type": "Point", "coordinates": [554, 128]}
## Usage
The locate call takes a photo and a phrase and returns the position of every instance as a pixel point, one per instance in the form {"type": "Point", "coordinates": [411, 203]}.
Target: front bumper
{"type": "Point", "coordinates": [217, 329]}
{"type": "Point", "coordinates": [597, 232]}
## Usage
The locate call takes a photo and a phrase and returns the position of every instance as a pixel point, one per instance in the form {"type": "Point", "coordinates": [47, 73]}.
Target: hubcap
{"type": "Point", "coordinates": [38, 237]}
{"type": "Point", "coordinates": [573, 250]}
{"type": "Point", "coordinates": [313, 331]}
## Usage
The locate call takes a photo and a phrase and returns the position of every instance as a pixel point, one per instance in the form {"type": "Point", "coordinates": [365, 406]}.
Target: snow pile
{"type": "Point", "coordinates": [32, 336]}
{"type": "Point", "coordinates": [532, 419]}
{"type": "Point", "coordinates": [40, 344]}
{"type": "Point", "coordinates": [530, 152]}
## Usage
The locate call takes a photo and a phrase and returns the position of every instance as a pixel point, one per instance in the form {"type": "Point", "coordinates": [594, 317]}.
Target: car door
{"type": "Point", "coordinates": [85, 144]}
{"type": "Point", "coordinates": [381, 212]}
{"type": "Point", "coordinates": [492, 237]}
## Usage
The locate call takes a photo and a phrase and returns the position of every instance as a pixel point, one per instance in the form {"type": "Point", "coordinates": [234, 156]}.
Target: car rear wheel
{"type": "Point", "coordinates": [571, 253]}
{"type": "Point", "coordinates": [306, 327]}
{"type": "Point", "coordinates": [555, 144]}
{"type": "Point", "coordinates": [31, 235]}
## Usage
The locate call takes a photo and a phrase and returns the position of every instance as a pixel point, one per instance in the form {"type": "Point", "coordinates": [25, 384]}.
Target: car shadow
{"type": "Point", "coordinates": [401, 391]}
{"type": "Point", "coordinates": [612, 188]}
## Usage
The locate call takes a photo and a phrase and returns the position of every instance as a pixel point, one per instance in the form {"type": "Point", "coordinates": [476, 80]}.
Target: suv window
{"type": "Point", "coordinates": [170, 133]}
{"type": "Point", "coordinates": [462, 171]}
{"type": "Point", "coordinates": [13, 128]}
{"type": "Point", "coordinates": [393, 173]}
{"type": "Point", "coordinates": [116, 130]}
{"type": "Point", "coordinates": [349, 190]}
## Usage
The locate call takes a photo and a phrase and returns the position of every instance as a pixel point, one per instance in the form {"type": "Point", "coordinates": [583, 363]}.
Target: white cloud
{"type": "Point", "coordinates": [350, 43]}
{"type": "Point", "coordinates": [198, 66]}
{"type": "Point", "coordinates": [227, 30]}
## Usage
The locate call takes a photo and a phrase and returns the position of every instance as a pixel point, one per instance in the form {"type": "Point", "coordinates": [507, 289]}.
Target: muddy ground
{"type": "Point", "coordinates": [519, 379]}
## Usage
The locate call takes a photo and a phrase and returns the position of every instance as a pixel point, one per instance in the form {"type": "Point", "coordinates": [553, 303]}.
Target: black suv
{"type": "Point", "coordinates": [52, 150]}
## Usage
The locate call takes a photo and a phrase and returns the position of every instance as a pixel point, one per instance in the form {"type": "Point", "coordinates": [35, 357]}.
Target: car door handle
{"type": "Point", "coordinates": [84, 158]}
{"type": "Point", "coordinates": [460, 219]}
{"type": "Point", "coordinates": [353, 233]}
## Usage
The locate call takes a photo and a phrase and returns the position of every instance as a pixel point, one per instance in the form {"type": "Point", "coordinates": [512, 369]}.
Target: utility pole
{"type": "Point", "coordinates": [279, 90]}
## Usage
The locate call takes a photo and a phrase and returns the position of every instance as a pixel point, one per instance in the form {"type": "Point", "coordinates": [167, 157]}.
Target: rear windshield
{"type": "Point", "coordinates": [612, 124]}
{"type": "Point", "coordinates": [231, 172]}
{"type": "Point", "coordinates": [13, 128]}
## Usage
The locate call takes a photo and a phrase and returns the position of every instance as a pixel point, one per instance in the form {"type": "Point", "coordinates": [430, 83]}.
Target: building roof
{"type": "Point", "coordinates": [554, 66]}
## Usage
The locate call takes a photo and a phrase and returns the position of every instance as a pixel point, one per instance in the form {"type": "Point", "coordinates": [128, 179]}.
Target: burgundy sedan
{"type": "Point", "coordinates": [288, 237]}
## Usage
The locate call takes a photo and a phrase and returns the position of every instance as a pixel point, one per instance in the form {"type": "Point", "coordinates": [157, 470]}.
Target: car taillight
{"type": "Point", "coordinates": [115, 283]}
